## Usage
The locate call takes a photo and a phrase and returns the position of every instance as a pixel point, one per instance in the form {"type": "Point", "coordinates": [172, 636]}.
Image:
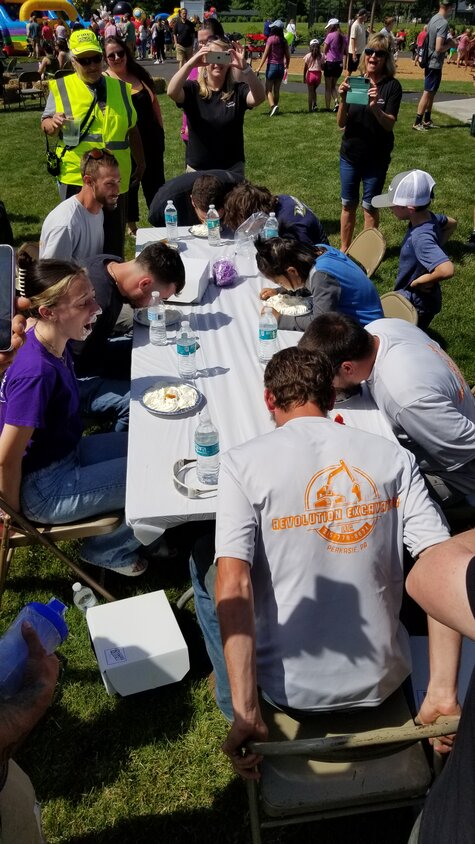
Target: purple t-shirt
{"type": "Point", "coordinates": [40, 391]}
{"type": "Point", "coordinates": [336, 43]}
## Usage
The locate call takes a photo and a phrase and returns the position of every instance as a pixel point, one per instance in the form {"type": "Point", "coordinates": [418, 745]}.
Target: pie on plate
{"type": "Point", "coordinates": [170, 398]}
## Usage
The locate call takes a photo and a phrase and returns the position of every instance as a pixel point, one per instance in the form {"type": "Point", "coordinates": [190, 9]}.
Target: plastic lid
{"type": "Point", "coordinates": [53, 611]}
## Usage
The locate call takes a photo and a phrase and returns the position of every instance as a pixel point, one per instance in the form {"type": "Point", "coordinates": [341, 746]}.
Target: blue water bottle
{"type": "Point", "coordinates": [51, 629]}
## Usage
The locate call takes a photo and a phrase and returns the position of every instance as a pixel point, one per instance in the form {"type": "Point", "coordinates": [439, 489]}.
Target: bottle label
{"type": "Point", "coordinates": [265, 334]}
{"type": "Point", "coordinates": [170, 218]}
{"type": "Point", "coordinates": [186, 350]}
{"type": "Point", "coordinates": [155, 316]}
{"type": "Point", "coordinates": [212, 224]}
{"type": "Point", "coordinates": [207, 450]}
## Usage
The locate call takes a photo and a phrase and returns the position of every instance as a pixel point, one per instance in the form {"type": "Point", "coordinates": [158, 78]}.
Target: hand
{"type": "Point", "coordinates": [238, 57]}
{"type": "Point", "coordinates": [200, 58]}
{"type": "Point", "coordinates": [18, 333]}
{"type": "Point", "coordinates": [422, 284]}
{"type": "Point", "coordinates": [343, 90]}
{"type": "Point", "coordinates": [41, 670]}
{"type": "Point", "coordinates": [136, 176]}
{"type": "Point", "coordinates": [267, 292]}
{"type": "Point", "coordinates": [57, 120]}
{"type": "Point", "coordinates": [244, 762]}
{"type": "Point", "coordinates": [372, 96]}
{"type": "Point", "coordinates": [434, 706]}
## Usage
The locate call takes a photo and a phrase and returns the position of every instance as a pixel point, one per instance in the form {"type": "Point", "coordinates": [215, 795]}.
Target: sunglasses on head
{"type": "Point", "coordinates": [86, 62]}
{"type": "Point", "coordinates": [119, 54]}
{"type": "Point", "coordinates": [380, 54]}
{"type": "Point", "coordinates": [97, 154]}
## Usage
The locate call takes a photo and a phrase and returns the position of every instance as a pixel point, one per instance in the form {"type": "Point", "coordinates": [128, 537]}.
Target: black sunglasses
{"type": "Point", "coordinates": [224, 38]}
{"type": "Point", "coordinates": [119, 54]}
{"type": "Point", "coordinates": [86, 62]}
{"type": "Point", "coordinates": [380, 54]}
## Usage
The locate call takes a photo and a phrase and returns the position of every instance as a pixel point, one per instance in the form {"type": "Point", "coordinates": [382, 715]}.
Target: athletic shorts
{"type": "Point", "coordinates": [351, 175]}
{"type": "Point", "coordinates": [432, 79]}
{"type": "Point", "coordinates": [352, 66]}
{"type": "Point", "coordinates": [275, 71]}
{"type": "Point", "coordinates": [314, 77]}
{"type": "Point", "coordinates": [332, 70]}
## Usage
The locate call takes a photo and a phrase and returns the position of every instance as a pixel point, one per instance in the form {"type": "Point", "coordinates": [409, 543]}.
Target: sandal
{"type": "Point", "coordinates": [135, 570]}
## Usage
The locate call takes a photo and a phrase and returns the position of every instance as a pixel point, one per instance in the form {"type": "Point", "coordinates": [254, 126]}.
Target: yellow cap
{"type": "Point", "coordinates": [83, 41]}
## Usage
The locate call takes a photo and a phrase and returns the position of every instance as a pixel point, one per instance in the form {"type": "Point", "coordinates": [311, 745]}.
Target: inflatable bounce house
{"type": "Point", "coordinates": [15, 14]}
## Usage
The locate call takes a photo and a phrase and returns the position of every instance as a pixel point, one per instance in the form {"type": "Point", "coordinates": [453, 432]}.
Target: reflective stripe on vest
{"type": "Point", "coordinates": [108, 129]}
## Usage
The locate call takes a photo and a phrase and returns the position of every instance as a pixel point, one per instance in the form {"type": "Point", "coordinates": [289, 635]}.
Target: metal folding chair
{"type": "Point", "coordinates": [334, 764]}
{"type": "Point", "coordinates": [27, 90]}
{"type": "Point", "coordinates": [19, 532]}
{"type": "Point", "coordinates": [368, 250]}
{"type": "Point", "coordinates": [396, 306]}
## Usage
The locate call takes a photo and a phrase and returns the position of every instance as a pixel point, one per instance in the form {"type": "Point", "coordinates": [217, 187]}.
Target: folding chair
{"type": "Point", "coordinates": [334, 764]}
{"type": "Point", "coordinates": [26, 90]}
{"type": "Point", "coordinates": [64, 71]}
{"type": "Point", "coordinates": [368, 249]}
{"type": "Point", "coordinates": [19, 532]}
{"type": "Point", "coordinates": [396, 306]}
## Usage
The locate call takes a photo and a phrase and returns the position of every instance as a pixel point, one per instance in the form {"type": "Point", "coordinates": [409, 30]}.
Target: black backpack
{"type": "Point", "coordinates": [424, 53]}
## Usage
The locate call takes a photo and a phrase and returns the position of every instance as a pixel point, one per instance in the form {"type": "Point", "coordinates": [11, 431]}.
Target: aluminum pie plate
{"type": "Point", "coordinates": [172, 387]}
{"type": "Point", "coordinates": [172, 316]}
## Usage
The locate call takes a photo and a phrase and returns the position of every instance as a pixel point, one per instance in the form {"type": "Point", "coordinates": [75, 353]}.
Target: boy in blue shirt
{"type": "Point", "coordinates": [423, 264]}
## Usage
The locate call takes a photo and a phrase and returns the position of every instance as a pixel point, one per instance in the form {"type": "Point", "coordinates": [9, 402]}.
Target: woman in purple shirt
{"type": "Point", "coordinates": [47, 468]}
{"type": "Point", "coordinates": [277, 55]}
{"type": "Point", "coordinates": [334, 49]}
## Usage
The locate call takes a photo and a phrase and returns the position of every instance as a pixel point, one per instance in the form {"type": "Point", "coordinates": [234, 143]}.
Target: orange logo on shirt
{"type": "Point", "coordinates": [342, 504]}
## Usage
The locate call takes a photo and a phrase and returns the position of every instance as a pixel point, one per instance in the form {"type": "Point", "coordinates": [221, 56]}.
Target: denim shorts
{"type": "Point", "coordinates": [432, 77]}
{"type": "Point", "coordinates": [372, 175]}
{"type": "Point", "coordinates": [275, 71]}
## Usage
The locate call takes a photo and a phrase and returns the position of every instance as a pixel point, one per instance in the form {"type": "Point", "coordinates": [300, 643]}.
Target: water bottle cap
{"type": "Point", "coordinates": [212, 207]}
{"type": "Point", "coordinates": [53, 611]}
{"type": "Point", "coordinates": [77, 586]}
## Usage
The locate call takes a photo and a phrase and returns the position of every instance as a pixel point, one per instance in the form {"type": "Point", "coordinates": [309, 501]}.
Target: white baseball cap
{"type": "Point", "coordinates": [413, 187]}
{"type": "Point", "coordinates": [332, 22]}
{"type": "Point", "coordinates": [313, 42]}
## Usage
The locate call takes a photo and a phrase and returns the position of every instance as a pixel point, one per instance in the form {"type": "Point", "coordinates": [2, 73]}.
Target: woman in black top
{"type": "Point", "coordinates": [215, 105]}
{"type": "Point", "coordinates": [122, 65]}
{"type": "Point", "coordinates": [368, 138]}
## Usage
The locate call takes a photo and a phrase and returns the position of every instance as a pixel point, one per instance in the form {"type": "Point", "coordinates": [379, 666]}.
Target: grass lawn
{"type": "Point", "coordinates": [148, 770]}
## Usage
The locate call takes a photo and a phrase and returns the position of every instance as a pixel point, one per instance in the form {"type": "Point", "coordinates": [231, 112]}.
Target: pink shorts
{"type": "Point", "coordinates": [313, 77]}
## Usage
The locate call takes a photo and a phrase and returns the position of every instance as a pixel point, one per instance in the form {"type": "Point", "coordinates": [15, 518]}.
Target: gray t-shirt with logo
{"type": "Point", "coordinates": [438, 28]}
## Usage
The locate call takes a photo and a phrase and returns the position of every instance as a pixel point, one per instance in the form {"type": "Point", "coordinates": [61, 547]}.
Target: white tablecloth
{"type": "Point", "coordinates": [231, 379]}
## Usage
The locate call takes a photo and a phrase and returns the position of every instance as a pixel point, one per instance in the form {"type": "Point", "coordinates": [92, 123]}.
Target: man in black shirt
{"type": "Point", "coordinates": [102, 364]}
{"type": "Point", "coordinates": [183, 37]}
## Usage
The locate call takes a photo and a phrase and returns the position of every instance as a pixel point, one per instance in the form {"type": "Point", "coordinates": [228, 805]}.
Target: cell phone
{"type": "Point", "coordinates": [7, 296]}
{"type": "Point", "coordinates": [218, 58]}
{"type": "Point", "coordinates": [358, 93]}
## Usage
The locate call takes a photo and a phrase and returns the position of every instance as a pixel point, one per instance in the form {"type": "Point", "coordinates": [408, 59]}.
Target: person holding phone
{"type": "Point", "coordinates": [215, 105]}
{"type": "Point", "coordinates": [368, 137]}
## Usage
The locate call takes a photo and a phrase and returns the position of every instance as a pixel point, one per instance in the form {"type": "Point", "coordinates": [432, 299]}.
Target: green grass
{"type": "Point", "coordinates": [148, 769]}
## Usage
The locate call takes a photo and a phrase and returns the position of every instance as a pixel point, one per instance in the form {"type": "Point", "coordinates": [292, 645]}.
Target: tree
{"type": "Point", "coordinates": [272, 9]}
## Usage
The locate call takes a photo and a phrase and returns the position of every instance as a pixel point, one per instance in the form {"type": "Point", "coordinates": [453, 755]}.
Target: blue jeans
{"type": "Point", "coordinates": [88, 482]}
{"type": "Point", "coordinates": [108, 397]}
{"type": "Point", "coordinates": [372, 175]}
{"type": "Point", "coordinates": [203, 576]}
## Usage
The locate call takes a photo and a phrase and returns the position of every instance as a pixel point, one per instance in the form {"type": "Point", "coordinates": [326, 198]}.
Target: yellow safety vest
{"type": "Point", "coordinates": [109, 128]}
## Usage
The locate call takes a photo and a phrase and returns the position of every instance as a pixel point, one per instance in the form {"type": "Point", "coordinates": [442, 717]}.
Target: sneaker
{"type": "Point", "coordinates": [274, 110]}
{"type": "Point", "coordinates": [430, 125]}
{"type": "Point", "coordinates": [419, 127]}
{"type": "Point", "coordinates": [469, 244]}
{"type": "Point", "coordinates": [157, 62]}
{"type": "Point", "coordinates": [335, 107]}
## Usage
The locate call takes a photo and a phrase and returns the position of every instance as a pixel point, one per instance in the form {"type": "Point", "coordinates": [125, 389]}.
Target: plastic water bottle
{"type": "Point", "coordinates": [83, 597]}
{"type": "Point", "coordinates": [213, 223]}
{"type": "Point", "coordinates": [271, 228]}
{"type": "Point", "coordinates": [186, 350]}
{"type": "Point", "coordinates": [157, 332]}
{"type": "Point", "coordinates": [171, 222]}
{"type": "Point", "coordinates": [207, 449]}
{"type": "Point", "coordinates": [267, 335]}
{"type": "Point", "coordinates": [51, 628]}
